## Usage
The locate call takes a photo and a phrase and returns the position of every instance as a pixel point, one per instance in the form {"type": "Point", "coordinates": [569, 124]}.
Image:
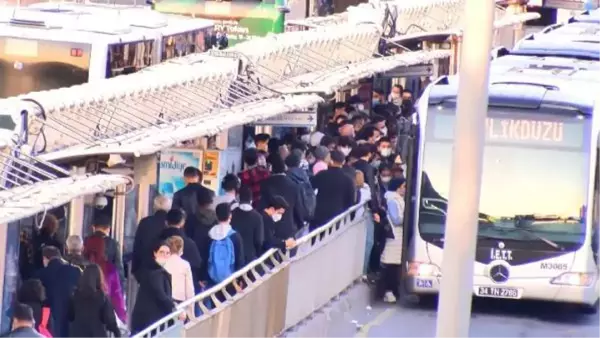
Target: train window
{"type": "Point", "coordinates": [128, 58]}
{"type": "Point", "coordinates": [183, 44]}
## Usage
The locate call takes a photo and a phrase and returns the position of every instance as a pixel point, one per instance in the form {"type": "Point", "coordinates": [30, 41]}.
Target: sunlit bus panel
{"type": "Point", "coordinates": [34, 65]}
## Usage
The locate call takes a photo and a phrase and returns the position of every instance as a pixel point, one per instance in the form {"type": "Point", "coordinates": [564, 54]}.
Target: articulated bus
{"type": "Point", "coordinates": [47, 45]}
{"type": "Point", "coordinates": [539, 204]}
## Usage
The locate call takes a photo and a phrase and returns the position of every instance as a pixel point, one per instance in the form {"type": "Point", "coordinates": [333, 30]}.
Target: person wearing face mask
{"type": "Point", "coordinates": [358, 122]}
{"type": "Point", "coordinates": [406, 108]}
{"type": "Point", "coordinates": [391, 257]}
{"type": "Point", "coordinates": [344, 145]}
{"type": "Point", "coordinates": [395, 96]}
{"type": "Point", "coordinates": [275, 235]}
{"type": "Point", "coordinates": [384, 148]}
{"type": "Point", "coordinates": [363, 152]}
{"type": "Point", "coordinates": [378, 122]}
{"type": "Point", "coordinates": [377, 98]}
{"type": "Point", "coordinates": [154, 298]}
{"type": "Point", "coordinates": [385, 176]}
{"type": "Point", "coordinates": [370, 134]}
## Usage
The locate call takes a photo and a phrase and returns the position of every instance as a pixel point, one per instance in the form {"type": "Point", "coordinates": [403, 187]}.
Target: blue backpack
{"type": "Point", "coordinates": [221, 259]}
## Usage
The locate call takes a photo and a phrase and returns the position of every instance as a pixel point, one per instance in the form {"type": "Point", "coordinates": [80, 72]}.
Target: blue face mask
{"type": "Point", "coordinates": [374, 102]}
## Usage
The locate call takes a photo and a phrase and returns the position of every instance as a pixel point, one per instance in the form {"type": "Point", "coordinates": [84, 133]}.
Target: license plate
{"type": "Point", "coordinates": [488, 291]}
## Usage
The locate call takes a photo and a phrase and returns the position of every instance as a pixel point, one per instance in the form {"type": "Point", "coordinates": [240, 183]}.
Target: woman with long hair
{"type": "Point", "coordinates": [47, 235]}
{"type": "Point", "coordinates": [94, 251]}
{"type": "Point", "coordinates": [91, 314]}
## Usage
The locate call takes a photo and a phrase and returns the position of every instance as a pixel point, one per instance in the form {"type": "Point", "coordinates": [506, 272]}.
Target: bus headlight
{"type": "Point", "coordinates": [418, 269]}
{"type": "Point", "coordinates": [574, 279]}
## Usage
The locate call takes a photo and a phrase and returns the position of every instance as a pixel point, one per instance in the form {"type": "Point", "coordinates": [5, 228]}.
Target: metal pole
{"type": "Point", "coordinates": [454, 308]}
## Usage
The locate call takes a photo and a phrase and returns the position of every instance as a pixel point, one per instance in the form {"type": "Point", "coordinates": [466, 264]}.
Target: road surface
{"type": "Point", "coordinates": [352, 315]}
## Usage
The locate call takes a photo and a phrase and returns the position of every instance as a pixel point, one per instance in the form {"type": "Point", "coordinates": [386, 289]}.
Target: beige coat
{"type": "Point", "coordinates": [181, 281]}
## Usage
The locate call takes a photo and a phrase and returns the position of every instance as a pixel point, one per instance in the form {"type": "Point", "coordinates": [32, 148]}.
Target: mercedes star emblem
{"type": "Point", "coordinates": [499, 273]}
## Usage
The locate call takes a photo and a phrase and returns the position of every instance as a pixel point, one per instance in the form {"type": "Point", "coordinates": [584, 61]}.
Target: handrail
{"type": "Point", "coordinates": [272, 256]}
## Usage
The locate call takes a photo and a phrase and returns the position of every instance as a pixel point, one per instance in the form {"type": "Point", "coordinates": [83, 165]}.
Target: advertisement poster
{"type": "Point", "coordinates": [211, 169]}
{"type": "Point", "coordinates": [241, 20]}
{"type": "Point", "coordinates": [171, 166]}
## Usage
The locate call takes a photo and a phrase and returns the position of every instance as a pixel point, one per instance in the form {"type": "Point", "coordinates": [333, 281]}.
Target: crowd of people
{"type": "Point", "coordinates": [71, 288]}
{"type": "Point", "coordinates": [199, 239]}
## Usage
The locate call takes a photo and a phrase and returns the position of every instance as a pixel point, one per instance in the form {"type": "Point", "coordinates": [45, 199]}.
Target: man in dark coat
{"type": "Point", "coordinates": [59, 279]}
{"type": "Point", "coordinates": [148, 233]}
{"type": "Point", "coordinates": [187, 197]}
{"type": "Point", "coordinates": [363, 154]}
{"type": "Point", "coordinates": [279, 184]}
{"type": "Point", "coordinates": [101, 226]}
{"type": "Point", "coordinates": [335, 191]}
{"type": "Point", "coordinates": [175, 221]}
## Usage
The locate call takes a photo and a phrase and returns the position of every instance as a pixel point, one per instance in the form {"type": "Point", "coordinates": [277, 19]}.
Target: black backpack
{"type": "Point", "coordinates": [308, 198]}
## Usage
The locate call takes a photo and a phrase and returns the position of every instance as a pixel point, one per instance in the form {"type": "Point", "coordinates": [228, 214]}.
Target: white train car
{"type": "Point", "coordinates": [49, 45]}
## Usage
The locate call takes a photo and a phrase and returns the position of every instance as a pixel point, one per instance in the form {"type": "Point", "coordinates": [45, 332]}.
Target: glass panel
{"type": "Point", "coordinates": [128, 58]}
{"type": "Point", "coordinates": [535, 174]}
{"type": "Point", "coordinates": [34, 65]}
{"type": "Point", "coordinates": [131, 201]}
{"type": "Point", "coordinates": [11, 272]}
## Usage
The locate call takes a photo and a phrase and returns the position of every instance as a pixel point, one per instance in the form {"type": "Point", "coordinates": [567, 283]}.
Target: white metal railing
{"type": "Point", "coordinates": [271, 280]}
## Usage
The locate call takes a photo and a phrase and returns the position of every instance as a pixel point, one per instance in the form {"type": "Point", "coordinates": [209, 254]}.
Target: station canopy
{"type": "Point", "coordinates": [407, 19]}
{"type": "Point", "coordinates": [33, 186]}
{"type": "Point", "coordinates": [201, 94]}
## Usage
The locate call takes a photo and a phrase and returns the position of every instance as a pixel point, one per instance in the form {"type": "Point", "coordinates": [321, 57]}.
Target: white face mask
{"type": "Point", "coordinates": [385, 152]}
{"type": "Point", "coordinates": [276, 217]}
{"type": "Point", "coordinates": [345, 150]}
{"type": "Point", "coordinates": [161, 261]}
{"type": "Point", "coordinates": [386, 179]}
{"type": "Point", "coordinates": [384, 131]}
{"type": "Point", "coordinates": [262, 161]}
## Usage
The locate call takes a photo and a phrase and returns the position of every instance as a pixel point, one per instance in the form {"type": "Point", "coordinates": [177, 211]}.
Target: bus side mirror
{"type": "Point", "coordinates": [499, 52]}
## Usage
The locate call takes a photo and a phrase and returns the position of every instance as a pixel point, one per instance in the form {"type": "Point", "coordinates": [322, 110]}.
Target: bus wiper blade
{"type": "Point", "coordinates": [533, 234]}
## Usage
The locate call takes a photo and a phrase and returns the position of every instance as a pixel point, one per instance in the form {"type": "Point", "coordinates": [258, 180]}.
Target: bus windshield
{"type": "Point", "coordinates": [535, 175]}
{"type": "Point", "coordinates": [35, 65]}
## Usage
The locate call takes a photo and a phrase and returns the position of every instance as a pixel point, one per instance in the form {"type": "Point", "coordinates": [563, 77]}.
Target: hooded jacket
{"type": "Point", "coordinates": [219, 232]}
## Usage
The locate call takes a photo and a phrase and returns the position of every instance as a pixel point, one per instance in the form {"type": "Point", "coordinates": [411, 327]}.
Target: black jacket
{"type": "Point", "coordinates": [201, 223]}
{"type": "Point", "coordinates": [293, 218]}
{"type": "Point", "coordinates": [146, 235]}
{"type": "Point", "coordinates": [369, 173]}
{"type": "Point", "coordinates": [113, 254]}
{"type": "Point", "coordinates": [40, 240]}
{"type": "Point", "coordinates": [154, 299]}
{"type": "Point", "coordinates": [190, 251]}
{"type": "Point", "coordinates": [336, 193]}
{"type": "Point", "coordinates": [77, 260]}
{"type": "Point", "coordinates": [92, 315]}
{"type": "Point", "coordinates": [59, 279]}
{"type": "Point", "coordinates": [273, 239]}
{"type": "Point", "coordinates": [187, 197]}
{"type": "Point", "coordinates": [249, 224]}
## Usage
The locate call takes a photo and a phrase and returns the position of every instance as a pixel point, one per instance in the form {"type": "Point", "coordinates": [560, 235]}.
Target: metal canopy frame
{"type": "Point", "coordinates": [31, 185]}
